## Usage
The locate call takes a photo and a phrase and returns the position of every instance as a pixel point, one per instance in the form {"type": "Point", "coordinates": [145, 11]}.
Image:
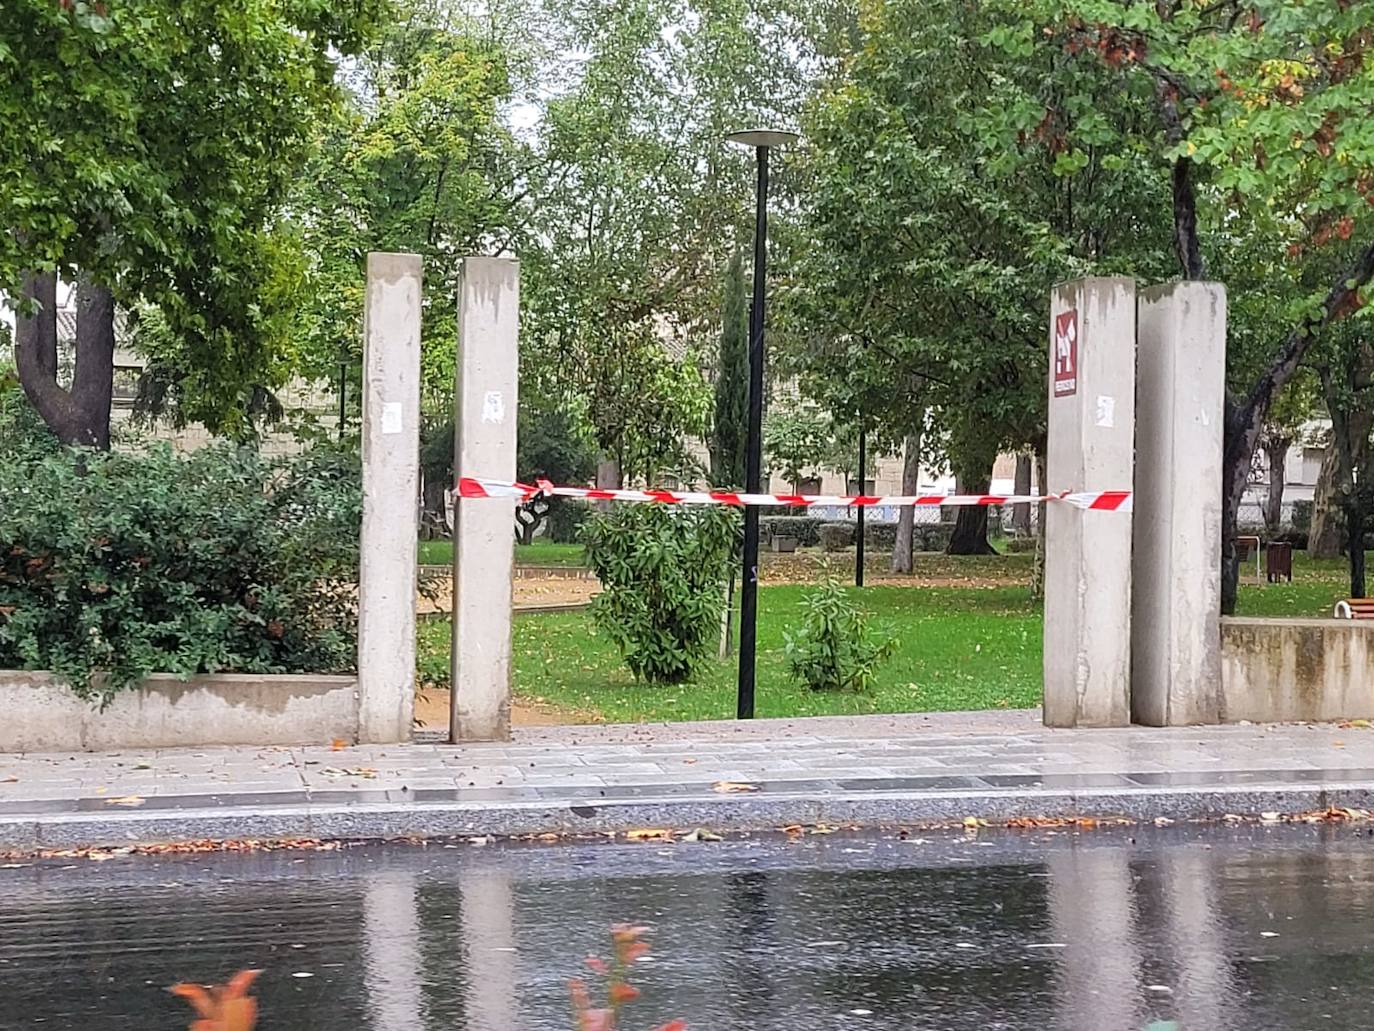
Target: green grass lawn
{"type": "Point", "coordinates": [540, 553]}
{"type": "Point", "coordinates": [960, 647]}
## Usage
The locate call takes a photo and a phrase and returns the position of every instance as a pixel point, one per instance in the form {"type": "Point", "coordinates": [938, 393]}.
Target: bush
{"type": "Point", "coordinates": [806, 529]}
{"type": "Point", "coordinates": [836, 536]}
{"type": "Point", "coordinates": [834, 650]}
{"type": "Point", "coordinates": [662, 571]}
{"type": "Point", "coordinates": [565, 519]}
{"type": "Point", "coordinates": [114, 566]}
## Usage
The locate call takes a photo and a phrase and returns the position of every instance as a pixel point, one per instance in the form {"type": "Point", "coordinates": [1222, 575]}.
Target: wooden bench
{"type": "Point", "coordinates": [1355, 608]}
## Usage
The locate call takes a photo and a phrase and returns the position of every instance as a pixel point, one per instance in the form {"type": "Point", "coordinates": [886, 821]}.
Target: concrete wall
{"type": "Point", "coordinates": [42, 715]}
{"type": "Point", "coordinates": [1279, 670]}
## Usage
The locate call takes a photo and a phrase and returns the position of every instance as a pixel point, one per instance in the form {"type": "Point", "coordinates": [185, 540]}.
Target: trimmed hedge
{"type": "Point", "coordinates": [877, 536]}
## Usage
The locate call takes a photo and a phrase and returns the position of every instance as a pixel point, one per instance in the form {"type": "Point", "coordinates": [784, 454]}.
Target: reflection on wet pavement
{"type": "Point", "coordinates": [1251, 929]}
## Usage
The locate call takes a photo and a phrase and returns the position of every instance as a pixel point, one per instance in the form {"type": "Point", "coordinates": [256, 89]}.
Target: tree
{"type": "Point", "coordinates": [944, 197]}
{"type": "Point", "coordinates": [729, 431]}
{"type": "Point", "coordinates": [1344, 363]}
{"type": "Point", "coordinates": [169, 134]}
{"type": "Point", "coordinates": [1262, 114]}
{"type": "Point", "coordinates": [1283, 427]}
{"type": "Point", "coordinates": [550, 446]}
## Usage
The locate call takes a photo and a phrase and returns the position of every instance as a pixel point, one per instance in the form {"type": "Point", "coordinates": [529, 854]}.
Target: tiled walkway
{"type": "Point", "coordinates": [873, 770]}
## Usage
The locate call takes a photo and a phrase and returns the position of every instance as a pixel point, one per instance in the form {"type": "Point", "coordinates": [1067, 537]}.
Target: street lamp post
{"type": "Point", "coordinates": [762, 140]}
{"type": "Point", "coordinates": [859, 514]}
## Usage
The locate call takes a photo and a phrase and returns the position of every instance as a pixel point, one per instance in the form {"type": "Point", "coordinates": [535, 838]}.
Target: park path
{"type": "Point", "coordinates": [873, 770]}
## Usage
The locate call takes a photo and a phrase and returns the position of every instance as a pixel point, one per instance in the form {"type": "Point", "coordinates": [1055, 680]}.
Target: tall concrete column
{"type": "Point", "coordinates": [391, 484]}
{"type": "Point", "coordinates": [1088, 554]}
{"type": "Point", "coordinates": [1176, 574]}
{"type": "Point", "coordinates": [483, 538]}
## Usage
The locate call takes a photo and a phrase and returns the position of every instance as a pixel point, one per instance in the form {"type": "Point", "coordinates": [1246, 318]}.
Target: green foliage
{"type": "Point", "coordinates": [26, 438]}
{"type": "Point", "coordinates": [835, 650]}
{"type": "Point", "coordinates": [149, 144]}
{"type": "Point", "coordinates": [114, 566]}
{"type": "Point", "coordinates": [729, 430]}
{"type": "Point", "coordinates": [662, 571]}
{"type": "Point", "coordinates": [417, 162]}
{"type": "Point", "coordinates": [565, 520]}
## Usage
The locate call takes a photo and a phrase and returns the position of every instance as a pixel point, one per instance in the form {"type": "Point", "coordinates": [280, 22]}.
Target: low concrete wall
{"type": "Point", "coordinates": [38, 714]}
{"type": "Point", "coordinates": [1280, 670]}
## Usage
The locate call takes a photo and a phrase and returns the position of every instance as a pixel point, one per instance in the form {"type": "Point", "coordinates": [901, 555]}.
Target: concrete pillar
{"type": "Point", "coordinates": [1088, 554]}
{"type": "Point", "coordinates": [483, 541]}
{"type": "Point", "coordinates": [1176, 565]}
{"type": "Point", "coordinates": [391, 484]}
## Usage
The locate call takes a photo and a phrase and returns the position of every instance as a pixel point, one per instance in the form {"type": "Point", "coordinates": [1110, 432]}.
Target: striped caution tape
{"type": "Point", "coordinates": [474, 487]}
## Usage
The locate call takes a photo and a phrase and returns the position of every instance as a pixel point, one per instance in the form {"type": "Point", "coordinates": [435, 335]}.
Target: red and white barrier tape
{"type": "Point", "coordinates": [1098, 501]}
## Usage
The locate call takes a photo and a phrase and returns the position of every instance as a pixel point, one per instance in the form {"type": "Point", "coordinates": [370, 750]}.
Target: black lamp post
{"type": "Point", "coordinates": [762, 140]}
{"type": "Point", "coordinates": [859, 514]}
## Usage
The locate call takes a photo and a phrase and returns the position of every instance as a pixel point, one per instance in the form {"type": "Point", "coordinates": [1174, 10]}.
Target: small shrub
{"type": "Point", "coordinates": [114, 566]}
{"type": "Point", "coordinates": [834, 650]}
{"type": "Point", "coordinates": [836, 536]}
{"type": "Point", "coordinates": [806, 529]}
{"type": "Point", "coordinates": [662, 570]}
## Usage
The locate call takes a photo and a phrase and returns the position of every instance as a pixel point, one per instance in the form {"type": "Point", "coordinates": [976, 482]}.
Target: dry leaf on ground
{"type": "Point", "coordinates": [733, 787]}
{"type": "Point", "coordinates": [129, 801]}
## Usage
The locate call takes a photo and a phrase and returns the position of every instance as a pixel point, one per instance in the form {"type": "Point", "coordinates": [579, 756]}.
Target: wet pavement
{"type": "Point", "coordinates": [1219, 928]}
{"type": "Point", "coordinates": [874, 771]}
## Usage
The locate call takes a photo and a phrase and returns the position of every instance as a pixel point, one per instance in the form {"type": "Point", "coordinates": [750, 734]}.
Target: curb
{"type": "Point", "coordinates": [589, 815]}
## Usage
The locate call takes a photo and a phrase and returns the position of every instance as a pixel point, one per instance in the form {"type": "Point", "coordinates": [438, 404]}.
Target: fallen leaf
{"type": "Point", "coordinates": [130, 801]}
{"type": "Point", "coordinates": [971, 823]}
{"type": "Point", "coordinates": [338, 744]}
{"type": "Point", "coordinates": [649, 834]}
{"type": "Point", "coordinates": [357, 771]}
{"type": "Point", "coordinates": [10, 780]}
{"type": "Point", "coordinates": [1269, 817]}
{"type": "Point", "coordinates": [733, 787]}
{"type": "Point", "coordinates": [701, 835]}
{"type": "Point", "coordinates": [1354, 724]}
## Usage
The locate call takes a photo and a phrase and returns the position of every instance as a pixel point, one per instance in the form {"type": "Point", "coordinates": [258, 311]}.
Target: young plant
{"type": "Point", "coordinates": [662, 571]}
{"type": "Point", "coordinates": [629, 945]}
{"type": "Point", "coordinates": [834, 650]}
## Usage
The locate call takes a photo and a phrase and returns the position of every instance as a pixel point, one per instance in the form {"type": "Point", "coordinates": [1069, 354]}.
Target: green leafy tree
{"type": "Point", "coordinates": [146, 147]}
{"type": "Point", "coordinates": [933, 239]}
{"type": "Point", "coordinates": [1261, 110]}
{"type": "Point", "coordinates": [729, 430]}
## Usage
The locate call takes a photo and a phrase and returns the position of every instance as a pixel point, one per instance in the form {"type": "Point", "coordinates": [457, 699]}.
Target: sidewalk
{"type": "Point", "coordinates": [765, 774]}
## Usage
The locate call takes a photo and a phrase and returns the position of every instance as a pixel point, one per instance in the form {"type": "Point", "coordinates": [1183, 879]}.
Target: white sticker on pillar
{"type": "Point", "coordinates": [493, 407]}
{"type": "Point", "coordinates": [392, 419]}
{"type": "Point", "coordinates": [1106, 411]}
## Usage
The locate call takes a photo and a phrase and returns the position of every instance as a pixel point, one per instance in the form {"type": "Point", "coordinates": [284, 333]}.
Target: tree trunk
{"type": "Point", "coordinates": [1326, 535]}
{"type": "Point", "coordinates": [80, 415]}
{"type": "Point", "coordinates": [1037, 586]}
{"type": "Point", "coordinates": [903, 548]}
{"type": "Point", "coordinates": [1276, 455]}
{"type": "Point", "coordinates": [970, 536]}
{"type": "Point", "coordinates": [1355, 521]}
{"type": "Point", "coordinates": [1021, 514]}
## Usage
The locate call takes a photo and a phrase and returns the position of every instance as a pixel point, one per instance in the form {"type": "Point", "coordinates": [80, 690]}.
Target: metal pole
{"type": "Point", "coordinates": [859, 532]}
{"type": "Point", "coordinates": [343, 394]}
{"type": "Point", "coordinates": [749, 585]}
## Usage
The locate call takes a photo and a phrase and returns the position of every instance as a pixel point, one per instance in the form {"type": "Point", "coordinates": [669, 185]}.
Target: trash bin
{"type": "Point", "coordinates": [1278, 561]}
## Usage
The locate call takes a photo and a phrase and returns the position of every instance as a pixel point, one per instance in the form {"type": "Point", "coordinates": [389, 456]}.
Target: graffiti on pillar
{"type": "Point", "coordinates": [1066, 353]}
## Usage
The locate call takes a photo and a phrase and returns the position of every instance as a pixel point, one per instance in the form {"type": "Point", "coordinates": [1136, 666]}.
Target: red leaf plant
{"type": "Point", "coordinates": [628, 947]}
